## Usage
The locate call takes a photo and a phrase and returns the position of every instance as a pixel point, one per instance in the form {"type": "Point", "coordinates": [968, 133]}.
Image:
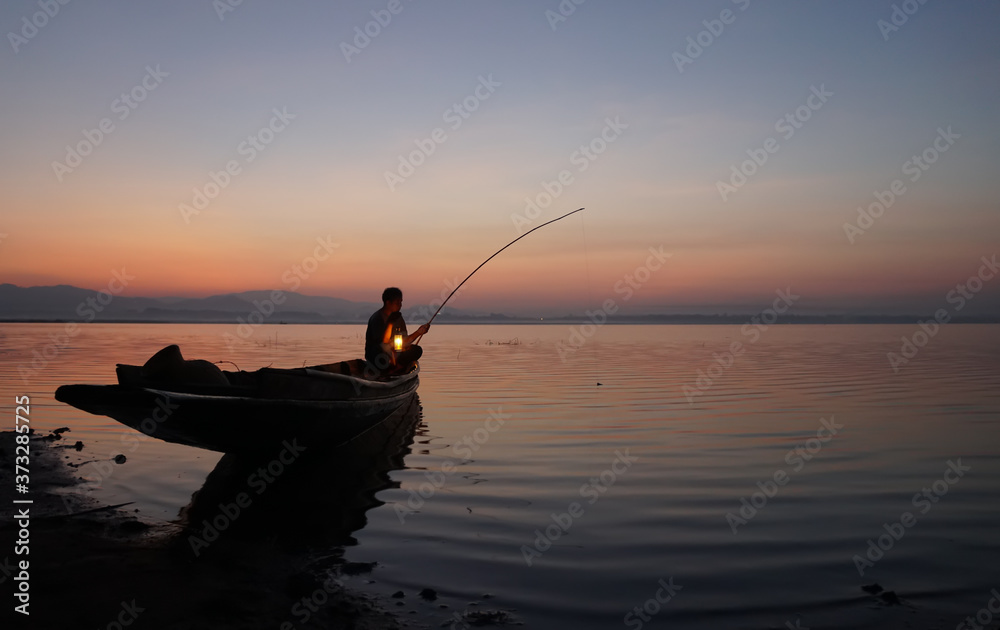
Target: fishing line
{"type": "Point", "coordinates": [590, 293]}
{"type": "Point", "coordinates": [586, 261]}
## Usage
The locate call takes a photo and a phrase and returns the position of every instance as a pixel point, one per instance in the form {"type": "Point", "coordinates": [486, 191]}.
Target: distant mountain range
{"type": "Point", "coordinates": [69, 303]}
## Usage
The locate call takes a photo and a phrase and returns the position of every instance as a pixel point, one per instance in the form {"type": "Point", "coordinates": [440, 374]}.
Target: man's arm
{"type": "Point", "coordinates": [420, 331]}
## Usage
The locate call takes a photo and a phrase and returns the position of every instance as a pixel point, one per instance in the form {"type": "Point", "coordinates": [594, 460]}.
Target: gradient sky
{"type": "Point", "coordinates": [656, 185]}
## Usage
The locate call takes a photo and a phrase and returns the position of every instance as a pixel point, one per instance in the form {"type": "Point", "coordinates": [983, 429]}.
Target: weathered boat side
{"type": "Point", "coordinates": [308, 404]}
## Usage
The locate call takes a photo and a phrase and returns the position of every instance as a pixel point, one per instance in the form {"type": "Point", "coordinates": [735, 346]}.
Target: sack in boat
{"type": "Point", "coordinates": [169, 366]}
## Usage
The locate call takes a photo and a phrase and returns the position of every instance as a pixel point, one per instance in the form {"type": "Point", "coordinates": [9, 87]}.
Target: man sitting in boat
{"type": "Point", "coordinates": [388, 349]}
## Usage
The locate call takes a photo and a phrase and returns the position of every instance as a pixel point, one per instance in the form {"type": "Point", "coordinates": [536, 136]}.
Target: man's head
{"type": "Point", "coordinates": [392, 298]}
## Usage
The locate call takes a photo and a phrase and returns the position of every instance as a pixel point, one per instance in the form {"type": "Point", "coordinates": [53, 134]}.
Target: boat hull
{"type": "Point", "coordinates": [258, 420]}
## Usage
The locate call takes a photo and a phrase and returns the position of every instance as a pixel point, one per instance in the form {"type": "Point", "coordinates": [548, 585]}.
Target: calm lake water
{"type": "Point", "coordinates": [532, 489]}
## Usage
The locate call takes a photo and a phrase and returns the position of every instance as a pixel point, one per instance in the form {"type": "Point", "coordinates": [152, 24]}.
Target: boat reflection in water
{"type": "Point", "coordinates": [298, 497]}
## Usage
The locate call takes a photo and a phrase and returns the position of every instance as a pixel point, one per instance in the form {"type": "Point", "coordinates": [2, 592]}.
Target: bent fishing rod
{"type": "Point", "coordinates": [488, 260]}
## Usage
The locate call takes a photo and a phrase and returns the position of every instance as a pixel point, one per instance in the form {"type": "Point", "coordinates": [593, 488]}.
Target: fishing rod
{"type": "Point", "coordinates": [488, 260]}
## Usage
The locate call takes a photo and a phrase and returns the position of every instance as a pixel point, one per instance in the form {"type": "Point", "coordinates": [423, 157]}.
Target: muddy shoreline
{"type": "Point", "coordinates": [91, 566]}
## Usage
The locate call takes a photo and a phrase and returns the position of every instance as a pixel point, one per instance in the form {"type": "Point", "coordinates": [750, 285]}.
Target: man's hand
{"type": "Point", "coordinates": [423, 329]}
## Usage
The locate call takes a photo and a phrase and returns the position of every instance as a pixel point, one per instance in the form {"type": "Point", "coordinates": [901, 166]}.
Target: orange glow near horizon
{"type": "Point", "coordinates": [527, 277]}
{"type": "Point", "coordinates": [368, 241]}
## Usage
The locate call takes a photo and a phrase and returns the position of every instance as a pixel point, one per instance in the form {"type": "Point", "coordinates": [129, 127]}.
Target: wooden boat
{"type": "Point", "coordinates": [240, 412]}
